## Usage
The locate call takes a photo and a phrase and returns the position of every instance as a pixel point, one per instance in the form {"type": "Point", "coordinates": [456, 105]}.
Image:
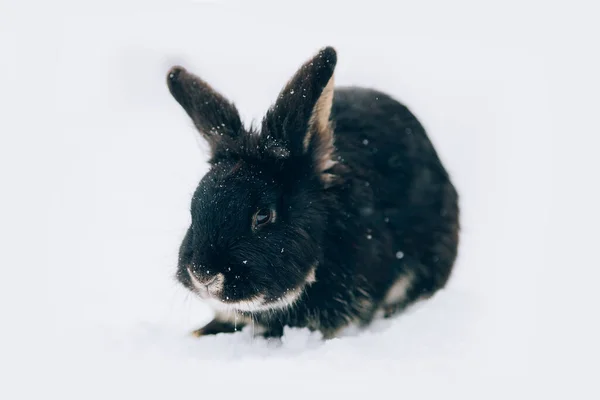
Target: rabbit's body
{"type": "Point", "coordinates": [392, 229]}
{"type": "Point", "coordinates": [375, 229]}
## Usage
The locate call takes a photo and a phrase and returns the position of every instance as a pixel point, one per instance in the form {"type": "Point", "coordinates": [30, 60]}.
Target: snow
{"type": "Point", "coordinates": [99, 163]}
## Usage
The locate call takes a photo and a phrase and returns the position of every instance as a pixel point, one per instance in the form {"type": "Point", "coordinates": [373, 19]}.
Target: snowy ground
{"type": "Point", "coordinates": [98, 164]}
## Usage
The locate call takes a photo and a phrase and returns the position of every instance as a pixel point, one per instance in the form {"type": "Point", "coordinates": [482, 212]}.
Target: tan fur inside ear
{"type": "Point", "coordinates": [320, 127]}
{"type": "Point", "coordinates": [319, 119]}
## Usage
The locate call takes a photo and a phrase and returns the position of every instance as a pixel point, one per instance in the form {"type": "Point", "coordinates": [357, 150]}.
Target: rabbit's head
{"type": "Point", "coordinates": [259, 214]}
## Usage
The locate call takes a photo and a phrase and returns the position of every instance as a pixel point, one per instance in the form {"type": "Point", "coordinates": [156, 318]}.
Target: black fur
{"type": "Point", "coordinates": [386, 210]}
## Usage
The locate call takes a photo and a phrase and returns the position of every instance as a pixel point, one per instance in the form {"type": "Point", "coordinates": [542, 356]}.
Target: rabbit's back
{"type": "Point", "coordinates": [404, 188]}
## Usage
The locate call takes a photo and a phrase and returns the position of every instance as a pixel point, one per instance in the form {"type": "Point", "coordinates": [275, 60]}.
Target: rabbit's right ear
{"type": "Point", "coordinates": [212, 114]}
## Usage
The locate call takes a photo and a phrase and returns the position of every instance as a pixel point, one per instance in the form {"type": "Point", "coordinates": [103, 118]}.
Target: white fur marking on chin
{"type": "Point", "coordinates": [284, 301]}
{"type": "Point", "coordinates": [242, 305]}
{"type": "Point", "coordinates": [397, 293]}
{"type": "Point", "coordinates": [291, 296]}
{"type": "Point", "coordinates": [311, 277]}
{"type": "Point", "coordinates": [254, 304]}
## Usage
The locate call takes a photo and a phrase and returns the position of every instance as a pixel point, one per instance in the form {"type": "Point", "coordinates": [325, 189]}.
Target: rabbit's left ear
{"type": "Point", "coordinates": [215, 117]}
{"type": "Point", "coordinates": [300, 116]}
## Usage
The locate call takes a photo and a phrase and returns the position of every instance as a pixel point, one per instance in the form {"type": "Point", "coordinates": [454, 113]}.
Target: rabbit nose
{"type": "Point", "coordinates": [202, 273]}
{"type": "Point", "coordinates": [206, 285]}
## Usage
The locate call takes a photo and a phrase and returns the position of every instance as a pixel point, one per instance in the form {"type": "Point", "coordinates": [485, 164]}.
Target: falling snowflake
{"type": "Point", "coordinates": [399, 255]}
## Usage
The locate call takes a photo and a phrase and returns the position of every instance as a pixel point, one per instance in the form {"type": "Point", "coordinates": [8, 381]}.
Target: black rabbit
{"type": "Point", "coordinates": [336, 210]}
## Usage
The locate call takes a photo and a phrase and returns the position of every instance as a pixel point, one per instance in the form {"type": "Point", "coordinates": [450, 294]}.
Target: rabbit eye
{"type": "Point", "coordinates": [263, 216]}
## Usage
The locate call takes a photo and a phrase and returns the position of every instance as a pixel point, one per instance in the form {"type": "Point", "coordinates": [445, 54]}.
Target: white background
{"type": "Point", "coordinates": [98, 164]}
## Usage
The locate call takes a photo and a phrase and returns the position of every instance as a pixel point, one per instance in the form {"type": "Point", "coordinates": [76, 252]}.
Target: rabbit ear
{"type": "Point", "coordinates": [212, 114]}
{"type": "Point", "coordinates": [300, 116]}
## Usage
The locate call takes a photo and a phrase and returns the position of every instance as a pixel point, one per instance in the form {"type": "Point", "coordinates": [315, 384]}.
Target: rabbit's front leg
{"type": "Point", "coordinates": [217, 326]}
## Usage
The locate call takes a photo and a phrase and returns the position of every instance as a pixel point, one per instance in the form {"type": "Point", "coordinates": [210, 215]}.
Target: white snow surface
{"type": "Point", "coordinates": [98, 164]}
